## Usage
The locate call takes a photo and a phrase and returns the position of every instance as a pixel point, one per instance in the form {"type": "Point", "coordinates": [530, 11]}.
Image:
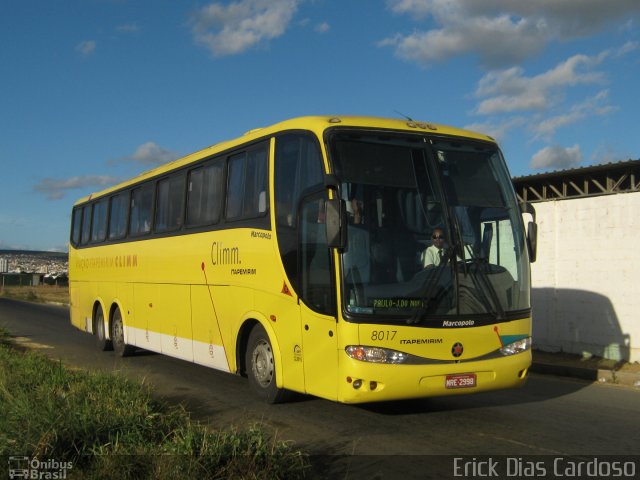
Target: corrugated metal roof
{"type": "Point", "coordinates": [600, 167]}
{"type": "Point", "coordinates": [593, 180]}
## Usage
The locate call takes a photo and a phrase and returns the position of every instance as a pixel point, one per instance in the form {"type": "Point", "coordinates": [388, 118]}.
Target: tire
{"type": "Point", "coordinates": [261, 367]}
{"type": "Point", "coordinates": [117, 336]}
{"type": "Point", "coordinates": [99, 331]}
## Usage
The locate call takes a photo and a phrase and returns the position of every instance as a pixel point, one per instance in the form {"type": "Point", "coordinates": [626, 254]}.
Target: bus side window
{"type": "Point", "coordinates": [75, 229]}
{"type": "Point", "coordinates": [235, 185]}
{"type": "Point", "coordinates": [247, 184]}
{"type": "Point", "coordinates": [170, 204]}
{"type": "Point", "coordinates": [118, 216]}
{"type": "Point", "coordinates": [141, 206]}
{"type": "Point", "coordinates": [255, 184]}
{"type": "Point", "coordinates": [205, 194]}
{"type": "Point", "coordinates": [86, 224]}
{"type": "Point", "coordinates": [99, 221]}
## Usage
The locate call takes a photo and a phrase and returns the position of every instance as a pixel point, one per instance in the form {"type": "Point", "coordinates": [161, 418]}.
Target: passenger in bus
{"type": "Point", "coordinates": [433, 255]}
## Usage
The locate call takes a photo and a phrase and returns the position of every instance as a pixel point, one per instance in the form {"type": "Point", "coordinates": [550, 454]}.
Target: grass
{"type": "Point", "coordinates": [39, 294]}
{"type": "Point", "coordinates": [111, 427]}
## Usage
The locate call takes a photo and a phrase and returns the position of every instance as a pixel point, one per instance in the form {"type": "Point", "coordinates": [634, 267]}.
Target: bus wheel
{"type": "Point", "coordinates": [99, 331]}
{"type": "Point", "coordinates": [261, 367]}
{"type": "Point", "coordinates": [117, 336]}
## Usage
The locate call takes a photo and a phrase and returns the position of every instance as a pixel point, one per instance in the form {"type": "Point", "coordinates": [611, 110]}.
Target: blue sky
{"type": "Point", "coordinates": [96, 91]}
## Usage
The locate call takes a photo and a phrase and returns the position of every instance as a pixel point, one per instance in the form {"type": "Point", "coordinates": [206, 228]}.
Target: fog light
{"type": "Point", "coordinates": [373, 385]}
{"type": "Point", "coordinates": [357, 384]}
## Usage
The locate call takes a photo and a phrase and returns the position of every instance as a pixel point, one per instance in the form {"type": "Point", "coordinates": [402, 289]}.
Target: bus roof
{"type": "Point", "coordinates": [316, 124]}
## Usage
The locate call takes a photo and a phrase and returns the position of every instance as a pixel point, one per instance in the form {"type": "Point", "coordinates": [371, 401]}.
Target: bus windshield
{"type": "Point", "coordinates": [434, 230]}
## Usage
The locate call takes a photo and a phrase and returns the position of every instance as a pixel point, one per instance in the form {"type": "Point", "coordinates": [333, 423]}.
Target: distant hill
{"type": "Point", "coordinates": [35, 253]}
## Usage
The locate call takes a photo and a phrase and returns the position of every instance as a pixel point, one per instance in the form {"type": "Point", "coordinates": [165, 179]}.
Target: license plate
{"type": "Point", "coordinates": [465, 380]}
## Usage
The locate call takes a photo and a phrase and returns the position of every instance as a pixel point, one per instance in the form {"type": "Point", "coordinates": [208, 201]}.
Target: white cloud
{"type": "Point", "coordinates": [593, 106]}
{"type": "Point", "coordinates": [510, 90]}
{"type": "Point", "coordinates": [149, 153]}
{"type": "Point", "coordinates": [627, 48]}
{"type": "Point", "coordinates": [500, 32]}
{"type": "Point", "coordinates": [507, 41]}
{"type": "Point", "coordinates": [86, 48]}
{"type": "Point", "coordinates": [323, 27]}
{"type": "Point", "coordinates": [234, 28]}
{"type": "Point", "coordinates": [556, 157]}
{"type": "Point", "coordinates": [55, 189]}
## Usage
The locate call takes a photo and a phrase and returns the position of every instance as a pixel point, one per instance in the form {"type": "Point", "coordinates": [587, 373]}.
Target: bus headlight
{"type": "Point", "coordinates": [516, 347]}
{"type": "Point", "coordinates": [376, 354]}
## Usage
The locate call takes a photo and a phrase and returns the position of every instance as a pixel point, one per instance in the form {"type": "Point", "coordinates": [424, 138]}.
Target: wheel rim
{"type": "Point", "coordinates": [262, 363]}
{"type": "Point", "coordinates": [118, 332]}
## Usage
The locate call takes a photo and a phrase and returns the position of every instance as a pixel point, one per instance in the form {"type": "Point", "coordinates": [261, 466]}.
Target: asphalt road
{"type": "Point", "coordinates": [550, 416]}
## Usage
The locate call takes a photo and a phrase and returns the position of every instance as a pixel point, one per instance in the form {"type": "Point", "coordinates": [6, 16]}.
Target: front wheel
{"type": "Point", "coordinates": [117, 336]}
{"type": "Point", "coordinates": [261, 367]}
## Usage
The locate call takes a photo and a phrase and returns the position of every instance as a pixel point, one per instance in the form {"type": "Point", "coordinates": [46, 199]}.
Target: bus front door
{"type": "Point", "coordinates": [317, 305]}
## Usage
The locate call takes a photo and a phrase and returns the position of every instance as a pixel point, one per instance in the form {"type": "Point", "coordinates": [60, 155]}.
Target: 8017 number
{"type": "Point", "coordinates": [381, 335]}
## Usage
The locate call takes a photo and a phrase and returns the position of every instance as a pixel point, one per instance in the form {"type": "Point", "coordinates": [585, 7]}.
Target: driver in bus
{"type": "Point", "coordinates": [433, 255]}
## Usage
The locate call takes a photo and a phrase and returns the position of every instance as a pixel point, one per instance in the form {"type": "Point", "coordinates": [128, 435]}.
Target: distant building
{"type": "Point", "coordinates": [585, 280]}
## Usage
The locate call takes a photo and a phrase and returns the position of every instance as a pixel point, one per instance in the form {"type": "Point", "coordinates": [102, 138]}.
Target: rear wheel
{"type": "Point", "coordinates": [99, 331]}
{"type": "Point", "coordinates": [261, 367]}
{"type": "Point", "coordinates": [117, 336]}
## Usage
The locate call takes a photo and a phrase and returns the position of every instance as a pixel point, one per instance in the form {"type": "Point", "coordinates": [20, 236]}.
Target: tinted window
{"type": "Point", "coordinates": [170, 204]}
{"type": "Point", "coordinates": [205, 194]}
{"type": "Point", "coordinates": [235, 187]}
{"type": "Point", "coordinates": [75, 228]}
{"type": "Point", "coordinates": [141, 205]}
{"type": "Point", "coordinates": [118, 216]}
{"type": "Point", "coordinates": [255, 186]}
{"type": "Point", "coordinates": [99, 225]}
{"type": "Point", "coordinates": [298, 167]}
{"type": "Point", "coordinates": [247, 184]}
{"type": "Point", "coordinates": [86, 224]}
{"type": "Point", "coordinates": [315, 256]}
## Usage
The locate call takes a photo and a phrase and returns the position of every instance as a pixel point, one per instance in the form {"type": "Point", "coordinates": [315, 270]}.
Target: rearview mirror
{"type": "Point", "coordinates": [532, 230]}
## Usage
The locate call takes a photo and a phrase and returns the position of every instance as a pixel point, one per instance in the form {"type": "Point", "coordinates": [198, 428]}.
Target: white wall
{"type": "Point", "coordinates": [586, 280]}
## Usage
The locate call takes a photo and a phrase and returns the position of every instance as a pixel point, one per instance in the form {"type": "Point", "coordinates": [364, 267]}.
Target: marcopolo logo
{"type": "Point", "coordinates": [34, 468]}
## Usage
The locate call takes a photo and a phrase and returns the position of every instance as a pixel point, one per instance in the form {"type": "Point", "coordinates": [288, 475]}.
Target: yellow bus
{"type": "Point", "coordinates": [356, 259]}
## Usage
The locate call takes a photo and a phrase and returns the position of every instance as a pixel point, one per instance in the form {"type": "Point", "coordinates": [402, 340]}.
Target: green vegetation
{"type": "Point", "coordinates": [39, 294]}
{"type": "Point", "coordinates": [110, 427]}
